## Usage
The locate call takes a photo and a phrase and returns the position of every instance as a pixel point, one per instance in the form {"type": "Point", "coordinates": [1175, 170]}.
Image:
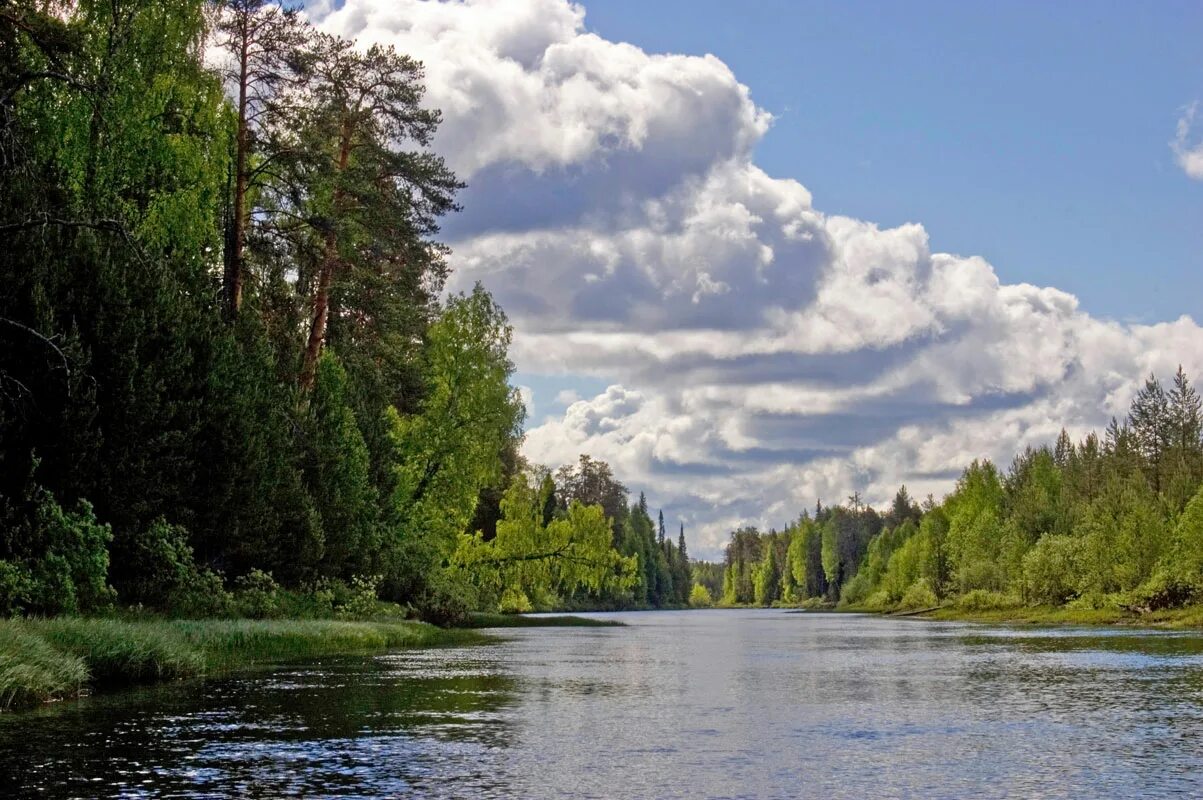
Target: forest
{"type": "Point", "coordinates": [231, 379]}
{"type": "Point", "coordinates": [1112, 521]}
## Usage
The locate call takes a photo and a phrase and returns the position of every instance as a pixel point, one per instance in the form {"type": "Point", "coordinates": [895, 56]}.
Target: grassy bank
{"type": "Point", "coordinates": [52, 659]}
{"type": "Point", "coordinates": [523, 621]}
{"type": "Point", "coordinates": [1182, 618]}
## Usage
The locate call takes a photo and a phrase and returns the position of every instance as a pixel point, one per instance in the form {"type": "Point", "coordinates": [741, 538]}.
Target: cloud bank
{"type": "Point", "coordinates": [762, 354]}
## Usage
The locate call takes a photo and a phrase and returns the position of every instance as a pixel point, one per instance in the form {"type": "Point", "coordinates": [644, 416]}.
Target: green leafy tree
{"type": "Point", "coordinates": [446, 453]}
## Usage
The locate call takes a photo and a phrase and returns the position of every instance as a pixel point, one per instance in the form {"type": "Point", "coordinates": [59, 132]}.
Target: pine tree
{"type": "Point", "coordinates": [683, 575]}
{"type": "Point", "coordinates": [1152, 427]}
{"type": "Point", "coordinates": [1063, 450]}
{"type": "Point", "coordinates": [261, 41]}
{"type": "Point", "coordinates": [371, 206]}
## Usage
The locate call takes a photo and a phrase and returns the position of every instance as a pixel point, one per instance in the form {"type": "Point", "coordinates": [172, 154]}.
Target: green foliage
{"type": "Point", "coordinates": [154, 564]}
{"type": "Point", "coordinates": [918, 595]}
{"type": "Point", "coordinates": [1053, 570]}
{"type": "Point", "coordinates": [339, 478]}
{"type": "Point", "coordinates": [51, 560]}
{"type": "Point", "coordinates": [318, 415]}
{"type": "Point", "coordinates": [203, 594]}
{"type": "Point", "coordinates": [256, 595]}
{"type": "Point", "coordinates": [527, 559]}
{"type": "Point", "coordinates": [767, 580]}
{"type": "Point", "coordinates": [983, 600]}
{"type": "Point", "coordinates": [514, 601]}
{"type": "Point", "coordinates": [700, 597]}
{"type": "Point", "coordinates": [449, 451]}
{"type": "Point", "coordinates": [360, 601]}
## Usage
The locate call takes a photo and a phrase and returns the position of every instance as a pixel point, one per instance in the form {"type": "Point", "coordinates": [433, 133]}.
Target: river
{"type": "Point", "coordinates": [690, 704]}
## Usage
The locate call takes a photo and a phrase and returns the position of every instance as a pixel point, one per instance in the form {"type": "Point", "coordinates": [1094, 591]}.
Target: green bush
{"type": "Point", "coordinates": [857, 590]}
{"type": "Point", "coordinates": [1053, 570]}
{"type": "Point", "coordinates": [983, 600]}
{"type": "Point", "coordinates": [514, 601]}
{"type": "Point", "coordinates": [362, 597]}
{"type": "Point", "coordinates": [919, 595]}
{"type": "Point", "coordinates": [981, 574]}
{"type": "Point", "coordinates": [203, 594]}
{"type": "Point", "coordinates": [153, 564]}
{"type": "Point", "coordinates": [16, 587]}
{"type": "Point", "coordinates": [699, 597]}
{"type": "Point", "coordinates": [1166, 589]}
{"type": "Point", "coordinates": [446, 601]}
{"type": "Point", "coordinates": [877, 601]}
{"type": "Point", "coordinates": [52, 561]}
{"type": "Point", "coordinates": [256, 595]}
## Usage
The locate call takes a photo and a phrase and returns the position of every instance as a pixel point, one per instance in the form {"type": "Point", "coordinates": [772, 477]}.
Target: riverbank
{"type": "Point", "coordinates": [1190, 617]}
{"type": "Point", "coordinates": [482, 620]}
{"type": "Point", "coordinates": [43, 660]}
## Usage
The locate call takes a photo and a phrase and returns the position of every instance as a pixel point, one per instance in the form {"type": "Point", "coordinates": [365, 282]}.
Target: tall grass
{"type": "Point", "coordinates": [51, 659]}
{"type": "Point", "coordinates": [33, 671]}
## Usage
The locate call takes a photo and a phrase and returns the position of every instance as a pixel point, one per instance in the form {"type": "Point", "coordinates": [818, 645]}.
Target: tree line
{"type": "Point", "coordinates": [1111, 521]}
{"type": "Point", "coordinates": [226, 360]}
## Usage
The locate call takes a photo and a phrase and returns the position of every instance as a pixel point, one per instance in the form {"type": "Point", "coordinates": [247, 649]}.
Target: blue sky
{"type": "Point", "coordinates": [1033, 133]}
{"type": "Point", "coordinates": [966, 227]}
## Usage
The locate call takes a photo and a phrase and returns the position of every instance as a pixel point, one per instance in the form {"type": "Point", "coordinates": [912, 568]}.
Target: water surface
{"type": "Point", "coordinates": [678, 704]}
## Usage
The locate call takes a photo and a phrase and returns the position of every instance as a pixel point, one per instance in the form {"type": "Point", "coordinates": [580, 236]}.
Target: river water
{"type": "Point", "coordinates": [693, 704]}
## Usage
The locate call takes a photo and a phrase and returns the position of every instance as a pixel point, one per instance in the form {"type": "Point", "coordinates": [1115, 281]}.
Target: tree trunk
{"type": "Point", "coordinates": [234, 272]}
{"type": "Point", "coordinates": [325, 278]}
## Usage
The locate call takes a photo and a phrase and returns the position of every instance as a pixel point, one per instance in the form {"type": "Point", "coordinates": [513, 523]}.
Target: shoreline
{"type": "Point", "coordinates": [59, 659]}
{"type": "Point", "coordinates": [1186, 618]}
{"type": "Point", "coordinates": [64, 658]}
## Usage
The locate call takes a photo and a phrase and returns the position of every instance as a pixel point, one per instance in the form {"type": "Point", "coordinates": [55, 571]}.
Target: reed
{"type": "Point", "coordinates": [52, 659]}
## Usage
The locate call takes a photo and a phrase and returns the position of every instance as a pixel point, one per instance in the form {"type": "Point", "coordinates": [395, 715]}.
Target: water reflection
{"type": "Point", "coordinates": [343, 728]}
{"type": "Point", "coordinates": [688, 704]}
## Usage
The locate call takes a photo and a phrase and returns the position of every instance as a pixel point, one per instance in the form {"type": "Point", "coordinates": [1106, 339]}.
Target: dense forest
{"type": "Point", "coordinates": [1107, 522]}
{"type": "Point", "coordinates": [228, 366]}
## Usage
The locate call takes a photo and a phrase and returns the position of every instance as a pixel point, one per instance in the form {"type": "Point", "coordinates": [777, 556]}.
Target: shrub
{"type": "Point", "coordinates": [919, 595]}
{"type": "Point", "coordinates": [54, 561]}
{"type": "Point", "coordinates": [16, 587]}
{"type": "Point", "coordinates": [256, 595]}
{"type": "Point", "coordinates": [514, 601]}
{"type": "Point", "coordinates": [981, 573]}
{"type": "Point", "coordinates": [203, 594]}
{"type": "Point", "coordinates": [153, 564]}
{"type": "Point", "coordinates": [857, 590]}
{"type": "Point", "coordinates": [1053, 570]}
{"type": "Point", "coordinates": [983, 600]}
{"type": "Point", "coordinates": [446, 601]}
{"type": "Point", "coordinates": [878, 601]}
{"type": "Point", "coordinates": [1166, 589]}
{"type": "Point", "coordinates": [699, 597]}
{"type": "Point", "coordinates": [362, 598]}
